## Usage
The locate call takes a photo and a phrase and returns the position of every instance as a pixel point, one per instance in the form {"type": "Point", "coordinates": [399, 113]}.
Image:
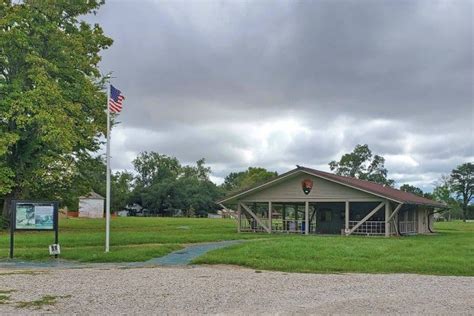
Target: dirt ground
{"type": "Point", "coordinates": [229, 290]}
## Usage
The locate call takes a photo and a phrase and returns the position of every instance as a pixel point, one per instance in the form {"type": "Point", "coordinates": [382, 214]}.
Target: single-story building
{"type": "Point", "coordinates": [310, 201]}
{"type": "Point", "coordinates": [91, 205]}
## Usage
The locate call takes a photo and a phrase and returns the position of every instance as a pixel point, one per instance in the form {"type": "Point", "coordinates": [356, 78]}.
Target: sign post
{"type": "Point", "coordinates": [33, 215]}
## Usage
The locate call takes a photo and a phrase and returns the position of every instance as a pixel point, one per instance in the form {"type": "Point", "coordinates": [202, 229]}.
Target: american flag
{"type": "Point", "coordinates": [115, 100]}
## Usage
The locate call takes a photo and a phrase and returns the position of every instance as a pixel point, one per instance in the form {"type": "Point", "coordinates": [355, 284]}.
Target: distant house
{"type": "Point", "coordinates": [227, 213]}
{"type": "Point", "coordinates": [91, 206]}
{"type": "Point", "coordinates": [123, 213]}
{"type": "Point", "coordinates": [310, 201]}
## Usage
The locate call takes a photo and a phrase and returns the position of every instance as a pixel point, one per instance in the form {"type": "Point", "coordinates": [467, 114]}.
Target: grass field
{"type": "Point", "coordinates": [132, 239]}
{"type": "Point", "coordinates": [451, 252]}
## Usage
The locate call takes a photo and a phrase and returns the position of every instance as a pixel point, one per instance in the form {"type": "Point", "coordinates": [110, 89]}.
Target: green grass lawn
{"type": "Point", "coordinates": [132, 238]}
{"type": "Point", "coordinates": [451, 252]}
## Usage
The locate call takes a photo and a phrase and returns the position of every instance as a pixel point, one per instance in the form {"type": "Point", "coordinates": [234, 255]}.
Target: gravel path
{"type": "Point", "coordinates": [233, 290]}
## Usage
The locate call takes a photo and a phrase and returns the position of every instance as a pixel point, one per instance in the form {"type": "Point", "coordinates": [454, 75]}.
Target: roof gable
{"type": "Point", "coordinates": [362, 185]}
{"type": "Point", "coordinates": [92, 196]}
{"type": "Point", "coordinates": [321, 189]}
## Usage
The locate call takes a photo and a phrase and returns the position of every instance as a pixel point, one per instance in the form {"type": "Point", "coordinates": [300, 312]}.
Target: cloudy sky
{"type": "Point", "coordinates": [278, 83]}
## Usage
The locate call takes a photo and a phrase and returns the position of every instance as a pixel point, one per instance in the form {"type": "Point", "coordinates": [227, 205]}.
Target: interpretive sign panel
{"type": "Point", "coordinates": [37, 216]}
{"type": "Point", "coordinates": [33, 215]}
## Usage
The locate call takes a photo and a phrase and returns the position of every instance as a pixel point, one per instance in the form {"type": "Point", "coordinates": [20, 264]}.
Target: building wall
{"type": "Point", "coordinates": [290, 190]}
{"type": "Point", "coordinates": [416, 214]}
{"type": "Point", "coordinates": [423, 220]}
{"type": "Point", "coordinates": [91, 208]}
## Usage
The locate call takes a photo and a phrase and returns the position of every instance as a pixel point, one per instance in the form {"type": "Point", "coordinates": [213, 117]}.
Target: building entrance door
{"type": "Point", "coordinates": [330, 218]}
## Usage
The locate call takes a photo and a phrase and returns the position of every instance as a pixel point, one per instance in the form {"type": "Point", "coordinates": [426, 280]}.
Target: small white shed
{"type": "Point", "coordinates": [91, 206]}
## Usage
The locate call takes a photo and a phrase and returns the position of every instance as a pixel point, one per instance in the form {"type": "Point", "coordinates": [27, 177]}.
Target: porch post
{"type": "Point", "coordinates": [346, 219]}
{"type": "Point", "coordinates": [388, 210]}
{"type": "Point", "coordinates": [283, 212]}
{"type": "Point", "coordinates": [239, 216]}
{"type": "Point", "coordinates": [306, 217]}
{"type": "Point", "coordinates": [270, 216]}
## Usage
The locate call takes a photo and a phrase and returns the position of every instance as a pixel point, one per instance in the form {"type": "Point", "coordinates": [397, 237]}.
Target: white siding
{"type": "Point", "coordinates": [290, 190]}
{"type": "Point", "coordinates": [423, 220]}
{"type": "Point", "coordinates": [91, 208]}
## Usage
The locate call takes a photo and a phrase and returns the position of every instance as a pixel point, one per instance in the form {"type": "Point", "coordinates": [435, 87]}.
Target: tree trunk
{"type": "Point", "coordinates": [464, 207]}
{"type": "Point", "coordinates": [6, 207]}
{"type": "Point", "coordinates": [7, 202]}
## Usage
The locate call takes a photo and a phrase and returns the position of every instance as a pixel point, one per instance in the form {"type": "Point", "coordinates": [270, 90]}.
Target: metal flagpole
{"type": "Point", "coordinates": [107, 201]}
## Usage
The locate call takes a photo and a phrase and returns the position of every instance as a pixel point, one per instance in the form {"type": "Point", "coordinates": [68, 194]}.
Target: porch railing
{"type": "Point", "coordinates": [251, 225]}
{"type": "Point", "coordinates": [288, 225]}
{"type": "Point", "coordinates": [368, 228]}
{"type": "Point", "coordinates": [278, 225]}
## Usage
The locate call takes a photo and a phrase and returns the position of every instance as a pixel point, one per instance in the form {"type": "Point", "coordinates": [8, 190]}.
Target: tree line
{"type": "Point", "coordinates": [162, 185]}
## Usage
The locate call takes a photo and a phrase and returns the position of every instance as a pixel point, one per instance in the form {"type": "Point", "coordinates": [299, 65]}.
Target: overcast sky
{"type": "Point", "coordinates": [280, 83]}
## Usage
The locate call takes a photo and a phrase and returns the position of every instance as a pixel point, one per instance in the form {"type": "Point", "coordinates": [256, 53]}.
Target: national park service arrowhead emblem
{"type": "Point", "coordinates": [307, 185]}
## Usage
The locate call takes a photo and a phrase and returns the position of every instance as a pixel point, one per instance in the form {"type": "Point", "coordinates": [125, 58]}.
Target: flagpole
{"type": "Point", "coordinates": [107, 198]}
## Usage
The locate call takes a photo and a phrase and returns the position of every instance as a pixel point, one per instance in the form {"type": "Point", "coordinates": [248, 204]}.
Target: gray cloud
{"type": "Point", "coordinates": [279, 83]}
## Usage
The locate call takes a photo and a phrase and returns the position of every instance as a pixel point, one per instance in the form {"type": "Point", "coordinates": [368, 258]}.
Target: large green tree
{"type": "Point", "coordinates": [152, 167]}
{"type": "Point", "coordinates": [120, 190]}
{"type": "Point", "coordinates": [253, 175]}
{"type": "Point", "coordinates": [51, 95]}
{"type": "Point", "coordinates": [362, 164]}
{"type": "Point", "coordinates": [462, 184]}
{"type": "Point", "coordinates": [163, 185]}
{"type": "Point", "coordinates": [443, 192]}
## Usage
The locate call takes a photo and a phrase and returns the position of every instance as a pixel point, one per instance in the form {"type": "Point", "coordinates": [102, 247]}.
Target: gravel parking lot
{"type": "Point", "coordinates": [230, 290]}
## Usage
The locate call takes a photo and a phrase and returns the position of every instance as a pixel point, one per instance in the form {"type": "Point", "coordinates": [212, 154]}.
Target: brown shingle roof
{"type": "Point", "coordinates": [368, 186]}
{"type": "Point", "coordinates": [379, 189]}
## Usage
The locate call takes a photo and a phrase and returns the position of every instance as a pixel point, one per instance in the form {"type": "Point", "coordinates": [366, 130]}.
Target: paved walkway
{"type": "Point", "coordinates": [188, 254]}
{"type": "Point", "coordinates": [176, 258]}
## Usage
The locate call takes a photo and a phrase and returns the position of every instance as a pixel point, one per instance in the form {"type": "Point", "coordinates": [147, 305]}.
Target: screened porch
{"type": "Point", "coordinates": [364, 218]}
